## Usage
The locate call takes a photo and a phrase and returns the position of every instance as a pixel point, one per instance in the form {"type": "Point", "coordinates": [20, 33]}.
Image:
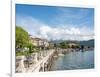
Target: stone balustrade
{"type": "Point", "coordinates": [23, 63]}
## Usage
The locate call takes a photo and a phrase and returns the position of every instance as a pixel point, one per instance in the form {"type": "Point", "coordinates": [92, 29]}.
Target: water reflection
{"type": "Point", "coordinates": [74, 60]}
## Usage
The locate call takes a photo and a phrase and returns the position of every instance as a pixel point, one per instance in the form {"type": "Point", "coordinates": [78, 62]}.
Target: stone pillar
{"type": "Point", "coordinates": [43, 67]}
{"type": "Point", "coordinates": [20, 67]}
{"type": "Point", "coordinates": [41, 55]}
{"type": "Point", "coordinates": [35, 57]}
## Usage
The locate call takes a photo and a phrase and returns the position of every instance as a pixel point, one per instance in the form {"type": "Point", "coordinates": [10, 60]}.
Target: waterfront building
{"type": "Point", "coordinates": [72, 44]}
{"type": "Point", "coordinates": [38, 42]}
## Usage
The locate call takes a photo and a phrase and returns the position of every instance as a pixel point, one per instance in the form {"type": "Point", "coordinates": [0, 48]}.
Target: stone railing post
{"type": "Point", "coordinates": [35, 57]}
{"type": "Point", "coordinates": [21, 67]}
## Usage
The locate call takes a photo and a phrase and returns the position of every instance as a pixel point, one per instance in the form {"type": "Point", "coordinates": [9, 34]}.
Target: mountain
{"type": "Point", "coordinates": [87, 43]}
{"type": "Point", "coordinates": [57, 41]}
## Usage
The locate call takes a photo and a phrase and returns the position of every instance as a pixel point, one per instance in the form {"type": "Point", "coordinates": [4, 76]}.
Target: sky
{"type": "Point", "coordinates": [56, 23]}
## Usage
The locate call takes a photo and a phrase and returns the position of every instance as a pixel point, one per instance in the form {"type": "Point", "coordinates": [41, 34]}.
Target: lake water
{"type": "Point", "coordinates": [74, 60]}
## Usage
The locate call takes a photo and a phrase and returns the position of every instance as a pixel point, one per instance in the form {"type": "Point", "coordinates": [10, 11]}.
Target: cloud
{"type": "Point", "coordinates": [75, 16]}
{"type": "Point", "coordinates": [39, 29]}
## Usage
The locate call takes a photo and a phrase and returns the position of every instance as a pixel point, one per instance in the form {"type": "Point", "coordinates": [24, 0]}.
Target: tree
{"type": "Point", "coordinates": [63, 45]}
{"type": "Point", "coordinates": [32, 48]}
{"type": "Point", "coordinates": [22, 37]}
{"type": "Point", "coordinates": [82, 47]}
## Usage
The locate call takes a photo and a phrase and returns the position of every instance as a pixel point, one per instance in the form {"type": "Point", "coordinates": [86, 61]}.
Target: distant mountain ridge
{"type": "Point", "coordinates": [57, 41]}
{"type": "Point", "coordinates": [85, 43]}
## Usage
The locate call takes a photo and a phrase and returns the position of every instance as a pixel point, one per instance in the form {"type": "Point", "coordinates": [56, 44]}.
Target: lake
{"type": "Point", "coordinates": [74, 60]}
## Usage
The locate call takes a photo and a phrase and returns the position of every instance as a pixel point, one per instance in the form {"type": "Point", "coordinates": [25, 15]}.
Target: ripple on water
{"type": "Point", "coordinates": [75, 60]}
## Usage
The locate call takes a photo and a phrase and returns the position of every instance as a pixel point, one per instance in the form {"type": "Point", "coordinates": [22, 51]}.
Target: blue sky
{"type": "Point", "coordinates": [48, 21]}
